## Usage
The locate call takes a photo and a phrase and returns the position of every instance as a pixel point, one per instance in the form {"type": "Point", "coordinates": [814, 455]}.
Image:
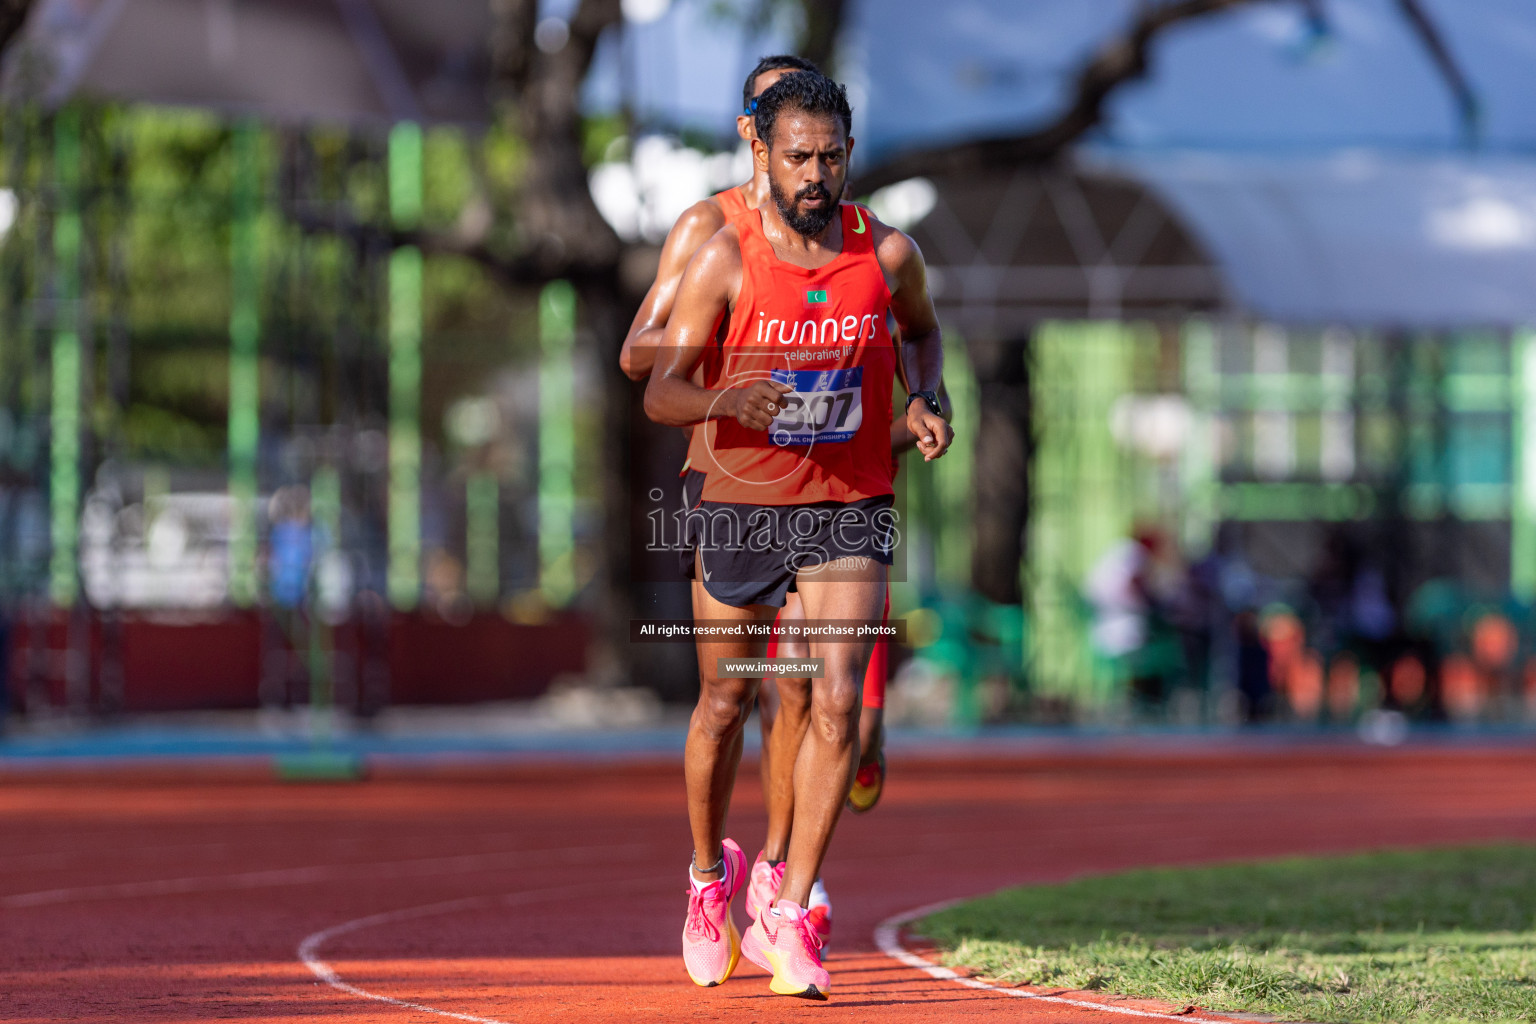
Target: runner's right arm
{"type": "Point", "coordinates": [693, 229]}
{"type": "Point", "coordinates": [707, 291]}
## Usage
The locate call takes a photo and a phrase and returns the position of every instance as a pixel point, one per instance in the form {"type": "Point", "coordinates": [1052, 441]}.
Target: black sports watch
{"type": "Point", "coordinates": [930, 397]}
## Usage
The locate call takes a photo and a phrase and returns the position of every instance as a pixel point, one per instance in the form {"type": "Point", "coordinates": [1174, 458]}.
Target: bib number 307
{"type": "Point", "coordinates": [825, 406]}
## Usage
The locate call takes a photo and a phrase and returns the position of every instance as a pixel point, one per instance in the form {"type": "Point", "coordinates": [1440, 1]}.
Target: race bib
{"type": "Point", "coordinates": [826, 406]}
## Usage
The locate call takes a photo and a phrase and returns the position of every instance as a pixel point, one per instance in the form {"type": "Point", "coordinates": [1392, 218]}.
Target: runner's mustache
{"type": "Point", "coordinates": [813, 192]}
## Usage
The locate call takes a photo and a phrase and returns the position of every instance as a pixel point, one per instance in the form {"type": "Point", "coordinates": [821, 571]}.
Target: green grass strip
{"type": "Point", "coordinates": [1419, 937]}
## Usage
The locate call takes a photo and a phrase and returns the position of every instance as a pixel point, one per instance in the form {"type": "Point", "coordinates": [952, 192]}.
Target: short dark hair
{"type": "Point", "coordinates": [777, 62]}
{"type": "Point", "coordinates": [811, 92]}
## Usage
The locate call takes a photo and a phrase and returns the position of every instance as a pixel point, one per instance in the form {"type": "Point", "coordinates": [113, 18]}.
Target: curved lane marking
{"type": "Point", "coordinates": [309, 949]}
{"type": "Point", "coordinates": [888, 941]}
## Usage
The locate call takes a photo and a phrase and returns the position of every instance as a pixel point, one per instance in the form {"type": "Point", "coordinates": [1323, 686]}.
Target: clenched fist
{"type": "Point", "coordinates": [932, 433]}
{"type": "Point", "coordinates": [756, 404]}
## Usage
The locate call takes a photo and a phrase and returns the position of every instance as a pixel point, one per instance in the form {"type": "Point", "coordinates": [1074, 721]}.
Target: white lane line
{"type": "Point", "coordinates": [309, 949]}
{"type": "Point", "coordinates": [887, 939]}
{"type": "Point", "coordinates": [426, 866]}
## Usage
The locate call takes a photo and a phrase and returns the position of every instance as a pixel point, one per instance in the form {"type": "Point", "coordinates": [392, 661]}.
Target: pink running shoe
{"type": "Point", "coordinates": [711, 940]}
{"type": "Point", "coordinates": [764, 886]}
{"type": "Point", "coordinates": [786, 945]}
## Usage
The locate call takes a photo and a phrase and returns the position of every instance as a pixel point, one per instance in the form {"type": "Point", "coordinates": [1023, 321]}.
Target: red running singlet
{"type": "Point", "coordinates": [732, 205]}
{"type": "Point", "coordinates": [824, 332]}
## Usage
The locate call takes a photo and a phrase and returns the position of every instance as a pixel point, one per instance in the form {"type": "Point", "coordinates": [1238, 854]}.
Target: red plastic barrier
{"type": "Point", "coordinates": [185, 662]}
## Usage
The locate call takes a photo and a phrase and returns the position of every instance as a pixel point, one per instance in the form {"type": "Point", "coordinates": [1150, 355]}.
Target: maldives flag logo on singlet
{"type": "Point", "coordinates": [816, 298]}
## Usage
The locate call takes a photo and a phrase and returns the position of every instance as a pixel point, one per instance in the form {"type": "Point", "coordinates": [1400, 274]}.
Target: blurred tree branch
{"type": "Point", "coordinates": [555, 228]}
{"type": "Point", "coordinates": [816, 22]}
{"type": "Point", "coordinates": [13, 15]}
{"type": "Point", "coordinates": [558, 230]}
{"type": "Point", "coordinates": [1120, 59]}
{"type": "Point", "coordinates": [818, 40]}
{"type": "Point", "coordinates": [1433, 41]}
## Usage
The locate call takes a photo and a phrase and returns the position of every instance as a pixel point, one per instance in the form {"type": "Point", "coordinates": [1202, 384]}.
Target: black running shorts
{"type": "Point", "coordinates": [693, 490]}
{"type": "Point", "coordinates": [750, 554]}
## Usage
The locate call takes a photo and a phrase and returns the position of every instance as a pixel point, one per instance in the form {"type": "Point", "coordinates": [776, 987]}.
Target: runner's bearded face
{"type": "Point", "coordinates": [807, 169]}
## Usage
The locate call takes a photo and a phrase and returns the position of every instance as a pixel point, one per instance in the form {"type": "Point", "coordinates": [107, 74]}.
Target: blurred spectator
{"type": "Point", "coordinates": [1214, 587]}
{"type": "Point", "coordinates": [1495, 643]}
{"type": "Point", "coordinates": [1253, 669]}
{"type": "Point", "coordinates": [1330, 588]}
{"type": "Point", "coordinates": [444, 581]}
{"type": "Point", "coordinates": [1295, 670]}
{"type": "Point", "coordinates": [1119, 600]}
{"type": "Point", "coordinates": [1356, 628]}
{"type": "Point", "coordinates": [290, 559]}
{"type": "Point", "coordinates": [1133, 588]}
{"type": "Point", "coordinates": [291, 547]}
{"type": "Point", "coordinates": [1198, 613]}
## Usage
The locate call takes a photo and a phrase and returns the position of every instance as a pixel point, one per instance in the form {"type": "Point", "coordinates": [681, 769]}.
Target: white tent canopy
{"type": "Point", "coordinates": [1357, 238]}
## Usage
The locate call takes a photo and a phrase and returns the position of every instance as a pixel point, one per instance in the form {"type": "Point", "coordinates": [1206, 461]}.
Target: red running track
{"type": "Point", "coordinates": [555, 893]}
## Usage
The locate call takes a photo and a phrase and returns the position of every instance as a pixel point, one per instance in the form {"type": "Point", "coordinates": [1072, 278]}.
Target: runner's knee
{"type": "Point", "coordinates": [835, 711]}
{"type": "Point", "coordinates": [723, 707]}
{"type": "Point", "coordinates": [795, 696]}
{"type": "Point", "coordinates": [793, 649]}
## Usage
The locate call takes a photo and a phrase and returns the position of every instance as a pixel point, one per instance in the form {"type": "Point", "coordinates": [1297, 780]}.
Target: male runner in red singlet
{"type": "Point", "coordinates": [796, 412]}
{"type": "Point", "coordinates": [783, 710]}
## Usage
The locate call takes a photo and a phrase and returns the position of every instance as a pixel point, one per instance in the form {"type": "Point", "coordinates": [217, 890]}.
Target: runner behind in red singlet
{"type": "Point", "coordinates": [869, 780]}
{"type": "Point", "coordinates": [698, 223]}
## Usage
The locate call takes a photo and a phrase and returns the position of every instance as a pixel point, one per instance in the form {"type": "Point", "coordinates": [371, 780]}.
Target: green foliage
{"type": "Point", "coordinates": [1402, 937]}
{"type": "Point", "coordinates": [448, 176]}
{"type": "Point", "coordinates": [179, 172]}
{"type": "Point", "coordinates": [160, 434]}
{"type": "Point", "coordinates": [504, 155]}
{"type": "Point", "coordinates": [598, 135]}
{"type": "Point", "coordinates": [167, 223]}
{"type": "Point", "coordinates": [782, 17]}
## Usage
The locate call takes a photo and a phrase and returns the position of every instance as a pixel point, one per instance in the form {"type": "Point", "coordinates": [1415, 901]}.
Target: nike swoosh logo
{"type": "Point", "coordinates": [859, 214]}
{"type": "Point", "coordinates": [701, 566]}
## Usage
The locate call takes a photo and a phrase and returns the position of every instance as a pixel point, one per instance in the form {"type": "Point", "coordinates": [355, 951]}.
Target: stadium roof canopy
{"type": "Point", "coordinates": [312, 60]}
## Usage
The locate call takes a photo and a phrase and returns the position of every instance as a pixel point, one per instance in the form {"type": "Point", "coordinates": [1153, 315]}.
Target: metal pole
{"type": "Point", "coordinates": [64, 427]}
{"type": "Point", "coordinates": [482, 543]}
{"type": "Point", "coordinates": [557, 444]}
{"type": "Point", "coordinates": [405, 328]}
{"type": "Point", "coordinates": [244, 368]}
{"type": "Point", "coordinates": [1522, 548]}
{"type": "Point", "coordinates": [325, 531]}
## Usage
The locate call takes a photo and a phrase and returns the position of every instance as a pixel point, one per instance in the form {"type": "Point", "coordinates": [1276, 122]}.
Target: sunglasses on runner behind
{"type": "Point", "coordinates": [750, 108]}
